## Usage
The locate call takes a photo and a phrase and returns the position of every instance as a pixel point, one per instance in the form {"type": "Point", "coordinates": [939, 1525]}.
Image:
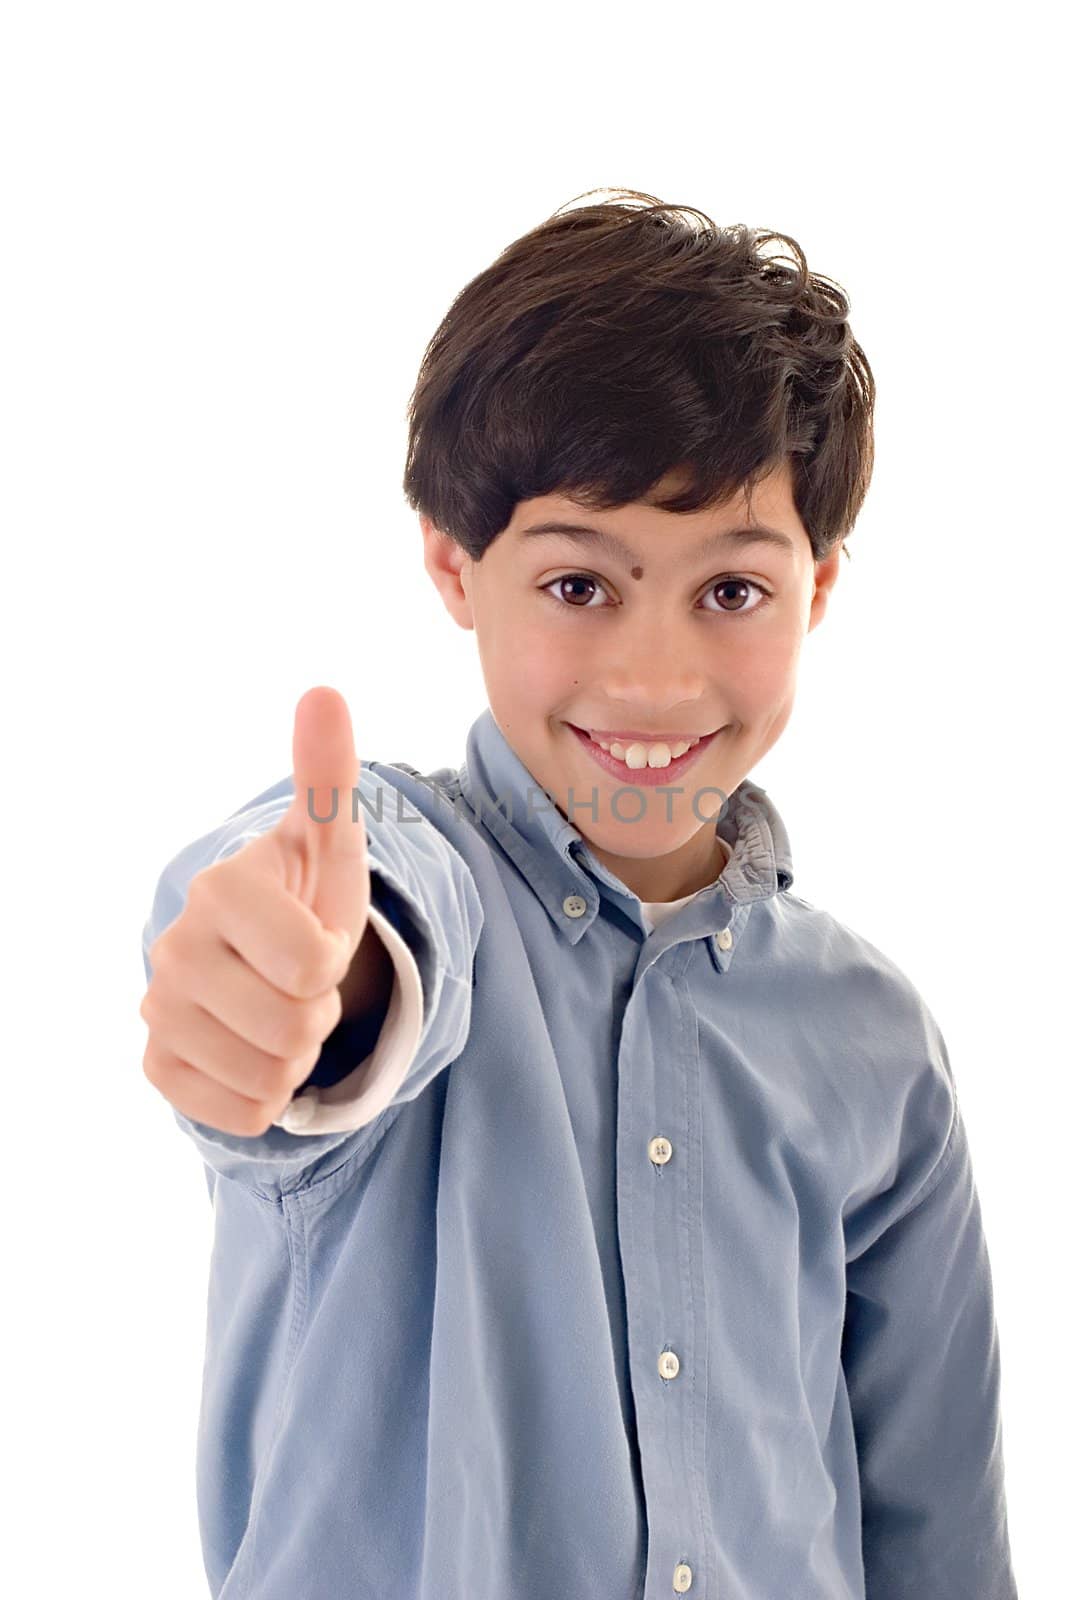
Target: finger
{"type": "Point", "coordinates": [274, 933]}
{"type": "Point", "coordinates": [201, 1041]}
{"type": "Point", "coordinates": [322, 821]}
{"type": "Point", "coordinates": [214, 977]}
{"type": "Point", "coordinates": [197, 1096]}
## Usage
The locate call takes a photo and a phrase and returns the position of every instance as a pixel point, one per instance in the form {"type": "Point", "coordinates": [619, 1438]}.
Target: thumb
{"type": "Point", "coordinates": [319, 825]}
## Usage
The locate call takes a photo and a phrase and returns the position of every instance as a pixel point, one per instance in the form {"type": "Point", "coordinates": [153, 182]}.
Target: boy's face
{"type": "Point", "coordinates": [664, 639]}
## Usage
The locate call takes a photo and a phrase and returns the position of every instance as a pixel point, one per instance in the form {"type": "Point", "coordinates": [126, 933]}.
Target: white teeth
{"type": "Point", "coordinates": [637, 755]}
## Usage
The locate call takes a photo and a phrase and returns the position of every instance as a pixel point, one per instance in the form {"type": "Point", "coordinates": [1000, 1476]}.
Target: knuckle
{"type": "Point", "coordinates": [331, 1013]}
{"type": "Point", "coordinates": [263, 1079]}
{"type": "Point", "coordinates": [293, 1032]}
{"type": "Point", "coordinates": [156, 1002]}
{"type": "Point", "coordinates": [153, 1067]}
{"type": "Point", "coordinates": [159, 950]}
{"type": "Point", "coordinates": [230, 1121]}
{"type": "Point", "coordinates": [311, 1034]}
{"type": "Point", "coordinates": [297, 1070]}
{"type": "Point", "coordinates": [197, 887]}
{"type": "Point", "coordinates": [301, 1068]}
{"type": "Point", "coordinates": [302, 976]}
{"type": "Point", "coordinates": [171, 950]}
{"type": "Point", "coordinates": [258, 1121]}
{"type": "Point", "coordinates": [202, 894]}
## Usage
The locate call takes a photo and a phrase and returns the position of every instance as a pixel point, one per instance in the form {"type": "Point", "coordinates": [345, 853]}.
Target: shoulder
{"type": "Point", "coordinates": [870, 1008]}
{"type": "Point", "coordinates": [827, 951]}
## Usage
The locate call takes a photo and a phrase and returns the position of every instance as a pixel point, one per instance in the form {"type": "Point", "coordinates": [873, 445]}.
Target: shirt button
{"type": "Point", "coordinates": [660, 1150]}
{"type": "Point", "coordinates": [574, 905]}
{"type": "Point", "coordinates": [725, 939]}
{"type": "Point", "coordinates": [683, 1578]}
{"type": "Point", "coordinates": [669, 1365]}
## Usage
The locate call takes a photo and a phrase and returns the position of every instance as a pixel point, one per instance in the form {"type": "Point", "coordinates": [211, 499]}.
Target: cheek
{"type": "Point", "coordinates": [766, 669]}
{"type": "Point", "coordinates": [537, 666]}
{"type": "Point", "coordinates": [760, 680]}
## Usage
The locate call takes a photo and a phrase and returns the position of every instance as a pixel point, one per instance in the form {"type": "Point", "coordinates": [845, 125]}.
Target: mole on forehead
{"type": "Point", "coordinates": [637, 572]}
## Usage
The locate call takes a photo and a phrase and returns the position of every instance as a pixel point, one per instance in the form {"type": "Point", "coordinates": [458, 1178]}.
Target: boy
{"type": "Point", "coordinates": [599, 1219]}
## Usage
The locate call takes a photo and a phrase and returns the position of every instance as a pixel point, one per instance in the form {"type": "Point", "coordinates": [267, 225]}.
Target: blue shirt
{"type": "Point", "coordinates": [648, 1261]}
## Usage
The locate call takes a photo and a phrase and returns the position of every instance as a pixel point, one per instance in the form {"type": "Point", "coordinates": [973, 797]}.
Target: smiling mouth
{"type": "Point", "coordinates": [643, 774]}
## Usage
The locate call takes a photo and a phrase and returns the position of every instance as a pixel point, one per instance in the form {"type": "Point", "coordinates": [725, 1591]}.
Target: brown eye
{"type": "Point", "coordinates": [584, 584]}
{"type": "Point", "coordinates": [733, 604]}
{"type": "Point", "coordinates": [733, 584]}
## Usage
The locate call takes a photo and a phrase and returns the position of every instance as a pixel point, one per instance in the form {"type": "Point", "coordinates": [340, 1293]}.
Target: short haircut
{"type": "Point", "coordinates": [620, 340]}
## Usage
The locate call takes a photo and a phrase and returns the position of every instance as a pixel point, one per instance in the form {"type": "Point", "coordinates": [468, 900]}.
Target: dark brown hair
{"type": "Point", "coordinates": [617, 342]}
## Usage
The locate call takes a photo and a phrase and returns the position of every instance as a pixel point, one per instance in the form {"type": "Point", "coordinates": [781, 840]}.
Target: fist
{"type": "Point", "coordinates": [246, 980]}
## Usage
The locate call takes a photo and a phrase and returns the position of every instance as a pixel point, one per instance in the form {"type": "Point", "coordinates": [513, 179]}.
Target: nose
{"type": "Point", "coordinates": [650, 674]}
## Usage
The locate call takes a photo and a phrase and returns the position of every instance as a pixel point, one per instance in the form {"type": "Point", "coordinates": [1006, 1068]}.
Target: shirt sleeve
{"type": "Point", "coordinates": [349, 1087]}
{"type": "Point", "coordinates": [426, 908]}
{"type": "Point", "coordinates": [921, 1360]}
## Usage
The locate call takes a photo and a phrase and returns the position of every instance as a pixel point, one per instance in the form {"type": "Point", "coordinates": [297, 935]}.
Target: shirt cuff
{"type": "Point", "coordinates": [371, 1085]}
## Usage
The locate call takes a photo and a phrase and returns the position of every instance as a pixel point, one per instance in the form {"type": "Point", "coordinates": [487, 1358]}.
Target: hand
{"type": "Point", "coordinates": [245, 981]}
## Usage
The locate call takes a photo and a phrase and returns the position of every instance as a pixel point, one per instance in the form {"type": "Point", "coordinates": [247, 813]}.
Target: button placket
{"type": "Point", "coordinates": [660, 1151]}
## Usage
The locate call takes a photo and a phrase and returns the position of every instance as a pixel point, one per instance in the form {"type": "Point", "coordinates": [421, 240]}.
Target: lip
{"type": "Point", "coordinates": [644, 777]}
{"type": "Point", "coordinates": [630, 733]}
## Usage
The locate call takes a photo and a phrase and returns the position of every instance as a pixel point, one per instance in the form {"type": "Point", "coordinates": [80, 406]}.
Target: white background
{"type": "Point", "coordinates": [228, 233]}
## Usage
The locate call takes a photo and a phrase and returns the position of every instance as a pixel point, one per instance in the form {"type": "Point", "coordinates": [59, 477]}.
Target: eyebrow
{"type": "Point", "coordinates": [731, 539]}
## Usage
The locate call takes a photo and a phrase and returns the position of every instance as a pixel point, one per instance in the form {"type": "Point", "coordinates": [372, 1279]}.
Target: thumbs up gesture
{"type": "Point", "coordinates": [246, 980]}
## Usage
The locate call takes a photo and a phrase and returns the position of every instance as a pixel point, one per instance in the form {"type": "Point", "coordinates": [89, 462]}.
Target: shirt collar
{"type": "Point", "coordinates": [556, 861]}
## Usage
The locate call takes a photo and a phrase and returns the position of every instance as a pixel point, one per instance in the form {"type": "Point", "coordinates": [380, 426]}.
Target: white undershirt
{"type": "Point", "coordinates": [655, 911]}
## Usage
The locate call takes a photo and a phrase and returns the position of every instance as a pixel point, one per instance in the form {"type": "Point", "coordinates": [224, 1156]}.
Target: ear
{"type": "Point", "coordinates": [448, 565]}
{"type": "Point", "coordinates": [825, 578]}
